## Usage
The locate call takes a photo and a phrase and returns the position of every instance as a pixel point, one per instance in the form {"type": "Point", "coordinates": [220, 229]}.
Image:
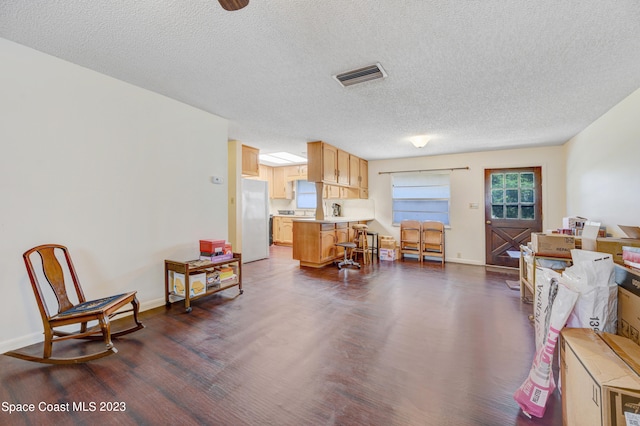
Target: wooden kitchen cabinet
{"type": "Point", "coordinates": [343, 167]}
{"type": "Point", "coordinates": [282, 230]}
{"type": "Point", "coordinates": [341, 192]}
{"type": "Point", "coordinates": [266, 173]}
{"type": "Point", "coordinates": [364, 179]}
{"type": "Point", "coordinates": [298, 172]}
{"type": "Point", "coordinates": [354, 171]}
{"type": "Point", "coordinates": [344, 175]}
{"type": "Point", "coordinates": [328, 240]}
{"type": "Point", "coordinates": [282, 188]}
{"type": "Point", "coordinates": [314, 243]}
{"type": "Point", "coordinates": [331, 191]}
{"type": "Point", "coordinates": [322, 162]}
{"type": "Point", "coordinates": [342, 235]}
{"type": "Point", "coordinates": [250, 161]}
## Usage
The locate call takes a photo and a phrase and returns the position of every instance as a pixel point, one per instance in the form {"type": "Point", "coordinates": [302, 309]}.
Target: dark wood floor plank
{"type": "Point", "coordinates": [395, 343]}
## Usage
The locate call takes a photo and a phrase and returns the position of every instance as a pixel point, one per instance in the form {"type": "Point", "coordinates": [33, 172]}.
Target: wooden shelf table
{"type": "Point", "coordinates": [191, 267]}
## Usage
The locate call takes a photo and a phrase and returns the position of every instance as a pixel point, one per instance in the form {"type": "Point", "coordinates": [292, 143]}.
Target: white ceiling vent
{"type": "Point", "coordinates": [349, 78]}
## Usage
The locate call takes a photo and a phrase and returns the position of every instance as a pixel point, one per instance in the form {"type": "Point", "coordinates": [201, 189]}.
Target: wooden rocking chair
{"type": "Point", "coordinates": [101, 310]}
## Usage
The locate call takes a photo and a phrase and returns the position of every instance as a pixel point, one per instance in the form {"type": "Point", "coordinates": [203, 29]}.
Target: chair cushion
{"type": "Point", "coordinates": [92, 305]}
{"type": "Point", "coordinates": [346, 245]}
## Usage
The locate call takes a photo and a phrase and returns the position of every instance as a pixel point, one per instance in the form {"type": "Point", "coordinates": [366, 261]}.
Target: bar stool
{"type": "Point", "coordinates": [373, 248]}
{"type": "Point", "coordinates": [348, 246]}
{"type": "Point", "coordinates": [361, 240]}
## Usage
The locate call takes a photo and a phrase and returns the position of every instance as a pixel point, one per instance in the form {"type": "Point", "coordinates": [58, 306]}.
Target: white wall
{"type": "Point", "coordinates": [603, 168]}
{"type": "Point", "coordinates": [118, 174]}
{"type": "Point", "coordinates": [465, 240]}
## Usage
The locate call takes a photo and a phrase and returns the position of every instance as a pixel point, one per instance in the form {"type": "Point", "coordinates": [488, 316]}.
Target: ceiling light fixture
{"type": "Point", "coordinates": [419, 141]}
{"type": "Point", "coordinates": [232, 5]}
{"type": "Point", "coordinates": [282, 158]}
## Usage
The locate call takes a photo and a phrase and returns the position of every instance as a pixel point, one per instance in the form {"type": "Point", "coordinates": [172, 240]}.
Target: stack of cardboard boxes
{"type": "Point", "coordinates": [388, 248]}
{"type": "Point", "coordinates": [600, 371]}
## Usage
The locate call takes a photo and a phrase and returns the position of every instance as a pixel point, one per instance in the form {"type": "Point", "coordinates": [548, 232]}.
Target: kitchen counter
{"type": "Point", "coordinates": [314, 241]}
{"type": "Point", "coordinates": [331, 219]}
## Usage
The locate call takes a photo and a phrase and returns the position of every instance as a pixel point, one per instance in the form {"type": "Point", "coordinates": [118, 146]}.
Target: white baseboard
{"type": "Point", "coordinates": [20, 342]}
{"type": "Point", "coordinates": [30, 339]}
{"type": "Point", "coordinates": [465, 261]}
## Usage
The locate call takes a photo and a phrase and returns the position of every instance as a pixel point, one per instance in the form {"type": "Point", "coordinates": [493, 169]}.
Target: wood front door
{"type": "Point", "coordinates": [513, 210]}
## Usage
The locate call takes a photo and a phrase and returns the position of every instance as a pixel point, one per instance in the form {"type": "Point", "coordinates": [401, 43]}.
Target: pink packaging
{"type": "Point", "coordinates": [533, 393]}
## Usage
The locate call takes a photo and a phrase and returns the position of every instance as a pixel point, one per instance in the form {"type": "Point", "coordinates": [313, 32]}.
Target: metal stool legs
{"type": "Point", "coordinates": [347, 261]}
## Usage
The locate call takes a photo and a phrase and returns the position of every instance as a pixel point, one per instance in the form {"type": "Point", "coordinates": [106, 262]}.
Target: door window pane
{"type": "Point", "coordinates": [528, 212]}
{"type": "Point", "coordinates": [511, 180]}
{"type": "Point", "coordinates": [526, 195]}
{"type": "Point", "coordinates": [512, 212]}
{"type": "Point", "coordinates": [513, 195]}
{"type": "Point", "coordinates": [526, 180]}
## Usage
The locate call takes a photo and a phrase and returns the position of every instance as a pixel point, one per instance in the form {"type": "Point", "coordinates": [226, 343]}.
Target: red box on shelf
{"type": "Point", "coordinates": [212, 246]}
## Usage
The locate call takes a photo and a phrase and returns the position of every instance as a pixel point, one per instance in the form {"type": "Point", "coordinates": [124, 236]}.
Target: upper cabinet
{"type": "Point", "coordinates": [354, 171]}
{"type": "Point", "coordinates": [296, 172]}
{"type": "Point", "coordinates": [343, 167]}
{"type": "Point", "coordinates": [266, 173]}
{"type": "Point", "coordinates": [250, 161]}
{"type": "Point", "coordinates": [335, 167]}
{"type": "Point", "coordinates": [323, 162]}
{"type": "Point", "coordinates": [282, 188]}
{"type": "Point", "coordinates": [364, 179]}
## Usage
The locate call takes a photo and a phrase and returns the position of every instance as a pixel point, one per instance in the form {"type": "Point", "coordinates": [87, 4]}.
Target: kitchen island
{"type": "Point", "coordinates": [314, 240]}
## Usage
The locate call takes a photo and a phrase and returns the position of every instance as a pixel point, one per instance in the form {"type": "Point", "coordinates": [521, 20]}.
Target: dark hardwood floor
{"type": "Point", "coordinates": [391, 344]}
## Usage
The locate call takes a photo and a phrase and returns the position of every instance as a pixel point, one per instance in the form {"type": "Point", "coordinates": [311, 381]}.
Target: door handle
{"type": "Point", "coordinates": [488, 222]}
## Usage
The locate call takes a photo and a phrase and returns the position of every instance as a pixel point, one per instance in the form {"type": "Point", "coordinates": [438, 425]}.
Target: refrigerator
{"type": "Point", "coordinates": [255, 220]}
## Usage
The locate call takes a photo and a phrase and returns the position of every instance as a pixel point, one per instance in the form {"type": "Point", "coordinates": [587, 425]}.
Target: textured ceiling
{"type": "Point", "coordinates": [475, 75]}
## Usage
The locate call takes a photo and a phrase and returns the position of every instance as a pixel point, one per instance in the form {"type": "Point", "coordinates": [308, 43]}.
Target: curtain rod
{"type": "Point", "coordinates": [425, 170]}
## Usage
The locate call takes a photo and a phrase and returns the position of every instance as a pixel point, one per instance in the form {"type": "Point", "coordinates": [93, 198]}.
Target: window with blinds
{"type": "Point", "coordinates": [305, 194]}
{"type": "Point", "coordinates": [420, 196]}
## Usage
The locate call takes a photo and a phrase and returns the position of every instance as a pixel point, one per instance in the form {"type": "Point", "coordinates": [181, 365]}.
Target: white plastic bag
{"type": "Point", "coordinates": [532, 395]}
{"type": "Point", "coordinates": [546, 287]}
{"type": "Point", "coordinates": [593, 277]}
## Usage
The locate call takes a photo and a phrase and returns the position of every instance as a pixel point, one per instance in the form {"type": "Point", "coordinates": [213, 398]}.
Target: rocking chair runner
{"type": "Point", "coordinates": [101, 310]}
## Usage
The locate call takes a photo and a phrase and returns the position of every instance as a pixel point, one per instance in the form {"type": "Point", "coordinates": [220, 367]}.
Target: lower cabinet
{"type": "Point", "coordinates": [314, 243]}
{"type": "Point", "coordinates": [282, 231]}
{"type": "Point", "coordinates": [342, 235]}
{"type": "Point", "coordinates": [328, 247]}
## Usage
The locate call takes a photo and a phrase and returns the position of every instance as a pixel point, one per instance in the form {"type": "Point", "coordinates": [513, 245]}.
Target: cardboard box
{"type": "Point", "coordinates": [614, 246]}
{"type": "Point", "coordinates": [573, 222]}
{"type": "Point", "coordinates": [386, 242]}
{"type": "Point", "coordinates": [628, 303]}
{"type": "Point", "coordinates": [212, 247]}
{"type": "Point", "coordinates": [197, 284]}
{"type": "Point", "coordinates": [389, 254]}
{"type": "Point", "coordinates": [598, 385]}
{"type": "Point", "coordinates": [554, 245]}
{"type": "Point", "coordinates": [217, 258]}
